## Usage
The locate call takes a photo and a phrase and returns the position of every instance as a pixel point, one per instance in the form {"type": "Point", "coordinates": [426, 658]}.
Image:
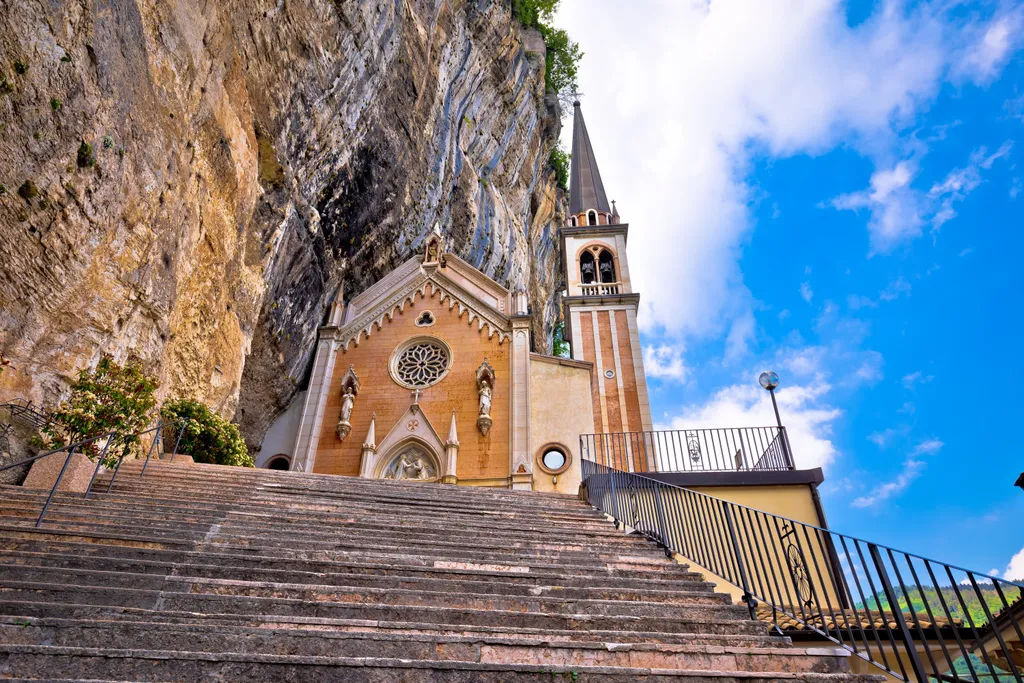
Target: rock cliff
{"type": "Point", "coordinates": [192, 181]}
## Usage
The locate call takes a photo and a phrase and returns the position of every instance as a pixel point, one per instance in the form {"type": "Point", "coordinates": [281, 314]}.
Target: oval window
{"type": "Point", "coordinates": [553, 459]}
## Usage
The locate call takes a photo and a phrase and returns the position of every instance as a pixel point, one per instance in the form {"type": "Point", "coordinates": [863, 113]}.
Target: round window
{"type": "Point", "coordinates": [553, 458]}
{"type": "Point", "coordinates": [421, 362]}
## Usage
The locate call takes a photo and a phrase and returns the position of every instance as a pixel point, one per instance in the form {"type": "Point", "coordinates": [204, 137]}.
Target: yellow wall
{"type": "Point", "coordinates": [560, 410]}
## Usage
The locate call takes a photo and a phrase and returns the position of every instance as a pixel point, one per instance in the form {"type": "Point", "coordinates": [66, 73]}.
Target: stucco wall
{"type": "Point", "coordinates": [480, 457]}
{"type": "Point", "coordinates": [561, 408]}
{"type": "Point", "coordinates": [280, 438]}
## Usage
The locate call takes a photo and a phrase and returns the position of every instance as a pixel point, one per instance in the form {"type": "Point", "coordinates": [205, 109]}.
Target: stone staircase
{"type": "Point", "coordinates": [212, 573]}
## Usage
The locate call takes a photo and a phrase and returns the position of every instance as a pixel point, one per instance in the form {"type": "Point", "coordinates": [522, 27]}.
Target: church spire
{"type": "Point", "coordinates": [586, 191]}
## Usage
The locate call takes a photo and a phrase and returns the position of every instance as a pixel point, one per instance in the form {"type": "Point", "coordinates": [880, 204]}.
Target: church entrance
{"type": "Point", "coordinates": [411, 462]}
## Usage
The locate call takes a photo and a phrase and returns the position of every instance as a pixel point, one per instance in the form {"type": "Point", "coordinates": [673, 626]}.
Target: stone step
{"type": "Point", "coordinates": [100, 507]}
{"type": "Point", "coordinates": [263, 567]}
{"type": "Point", "coordinates": [417, 646]}
{"type": "Point", "coordinates": [581, 564]}
{"type": "Point", "coordinates": [117, 573]}
{"type": "Point", "coordinates": [226, 595]}
{"type": "Point", "coordinates": [151, 665]}
{"type": "Point", "coordinates": [62, 601]}
{"type": "Point", "coordinates": [245, 525]}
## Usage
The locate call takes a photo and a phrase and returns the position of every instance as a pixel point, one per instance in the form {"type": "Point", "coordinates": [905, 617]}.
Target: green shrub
{"type": "Point", "coordinates": [563, 58]}
{"type": "Point", "coordinates": [86, 157]}
{"type": "Point", "coordinates": [559, 160]}
{"type": "Point", "coordinates": [208, 437]}
{"type": "Point", "coordinates": [560, 347]}
{"type": "Point", "coordinates": [110, 398]}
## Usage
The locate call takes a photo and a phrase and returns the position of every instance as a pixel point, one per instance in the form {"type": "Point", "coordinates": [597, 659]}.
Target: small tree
{"type": "Point", "coordinates": [207, 437]}
{"type": "Point", "coordinates": [559, 160]}
{"type": "Point", "coordinates": [560, 347]}
{"type": "Point", "coordinates": [111, 398]}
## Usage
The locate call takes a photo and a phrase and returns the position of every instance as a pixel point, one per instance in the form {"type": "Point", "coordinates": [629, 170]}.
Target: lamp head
{"type": "Point", "coordinates": [769, 380]}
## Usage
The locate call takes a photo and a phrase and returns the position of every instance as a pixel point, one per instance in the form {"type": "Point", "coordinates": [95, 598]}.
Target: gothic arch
{"type": "Point", "coordinates": [591, 217]}
{"type": "Point", "coordinates": [410, 448]}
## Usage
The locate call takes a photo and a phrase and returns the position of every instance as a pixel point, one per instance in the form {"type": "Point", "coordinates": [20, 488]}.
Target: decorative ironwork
{"type": "Point", "coordinates": [422, 363]}
{"type": "Point", "coordinates": [962, 625]}
{"type": "Point", "coordinates": [693, 446]}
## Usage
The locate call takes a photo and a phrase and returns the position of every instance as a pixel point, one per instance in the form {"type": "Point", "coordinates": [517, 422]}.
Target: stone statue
{"type": "Point", "coordinates": [485, 398]}
{"type": "Point", "coordinates": [417, 470]}
{"type": "Point", "coordinates": [347, 402]}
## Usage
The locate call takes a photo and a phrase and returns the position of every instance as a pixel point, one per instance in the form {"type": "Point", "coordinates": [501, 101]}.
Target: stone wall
{"type": "Point", "coordinates": [201, 177]}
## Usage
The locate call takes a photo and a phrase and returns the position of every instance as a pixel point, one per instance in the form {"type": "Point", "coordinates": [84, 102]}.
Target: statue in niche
{"type": "Point", "coordinates": [485, 398]}
{"type": "Point", "coordinates": [349, 389]}
{"type": "Point", "coordinates": [485, 390]}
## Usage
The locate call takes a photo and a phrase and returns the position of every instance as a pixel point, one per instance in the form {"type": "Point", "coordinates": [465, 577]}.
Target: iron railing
{"type": "Point", "coordinates": [109, 439]}
{"type": "Point", "coordinates": [691, 450]}
{"type": "Point", "coordinates": [868, 598]}
{"type": "Point", "coordinates": [601, 288]}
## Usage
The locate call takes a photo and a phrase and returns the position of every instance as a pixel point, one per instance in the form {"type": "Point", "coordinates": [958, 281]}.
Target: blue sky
{"type": "Point", "coordinates": [834, 191]}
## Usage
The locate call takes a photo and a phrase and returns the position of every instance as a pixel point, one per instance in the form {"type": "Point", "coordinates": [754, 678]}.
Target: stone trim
{"type": "Point", "coordinates": [558, 360]}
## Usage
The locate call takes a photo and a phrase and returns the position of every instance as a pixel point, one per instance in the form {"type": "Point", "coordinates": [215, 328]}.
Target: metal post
{"type": "Point", "coordinates": [897, 614]}
{"type": "Point", "coordinates": [152, 445]}
{"type": "Point", "coordinates": [99, 464]}
{"type": "Point", "coordinates": [615, 498]}
{"type": "Point", "coordinates": [177, 443]}
{"type": "Point", "coordinates": [744, 582]}
{"type": "Point", "coordinates": [53, 491]}
{"type": "Point", "coordinates": [663, 528]}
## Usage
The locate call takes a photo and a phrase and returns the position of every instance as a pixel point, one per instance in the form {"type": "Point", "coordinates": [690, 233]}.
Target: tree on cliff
{"type": "Point", "coordinates": [563, 58]}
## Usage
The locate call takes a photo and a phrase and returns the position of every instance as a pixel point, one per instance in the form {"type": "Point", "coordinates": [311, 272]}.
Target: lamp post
{"type": "Point", "coordinates": [769, 380]}
{"type": "Point", "coordinates": [1020, 481]}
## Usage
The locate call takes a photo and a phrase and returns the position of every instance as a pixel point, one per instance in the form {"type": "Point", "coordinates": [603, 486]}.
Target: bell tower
{"type": "Point", "coordinates": [600, 306]}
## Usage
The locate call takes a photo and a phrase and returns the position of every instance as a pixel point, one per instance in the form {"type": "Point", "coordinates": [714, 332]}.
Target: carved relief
{"type": "Point", "coordinates": [349, 390]}
{"type": "Point", "coordinates": [485, 390]}
{"type": "Point", "coordinates": [412, 464]}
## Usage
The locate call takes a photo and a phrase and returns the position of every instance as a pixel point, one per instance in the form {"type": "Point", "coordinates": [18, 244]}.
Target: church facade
{"type": "Point", "coordinates": [429, 375]}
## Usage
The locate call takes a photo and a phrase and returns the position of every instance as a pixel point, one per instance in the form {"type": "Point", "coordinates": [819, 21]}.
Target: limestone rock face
{"type": "Point", "coordinates": [192, 181]}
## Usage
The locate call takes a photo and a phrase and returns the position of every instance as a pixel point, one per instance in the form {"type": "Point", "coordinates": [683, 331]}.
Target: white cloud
{"type": "Point", "coordinates": [742, 334]}
{"type": "Point", "coordinates": [960, 182]}
{"type": "Point", "coordinates": [1015, 570]}
{"type": "Point", "coordinates": [808, 418]}
{"type": "Point", "coordinates": [806, 292]}
{"type": "Point", "coordinates": [1015, 187]}
{"type": "Point", "coordinates": [988, 52]}
{"type": "Point", "coordinates": [895, 207]}
{"type": "Point", "coordinates": [895, 290]}
{"type": "Point", "coordinates": [706, 86]}
{"type": "Point", "coordinates": [856, 302]}
{"type": "Point", "coordinates": [911, 471]}
{"type": "Point", "coordinates": [914, 378]}
{"type": "Point", "coordinates": [912, 468]}
{"type": "Point", "coordinates": [665, 362]}
{"type": "Point", "coordinates": [966, 252]}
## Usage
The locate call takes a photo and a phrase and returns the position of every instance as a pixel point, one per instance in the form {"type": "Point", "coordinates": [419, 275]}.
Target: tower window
{"type": "Point", "coordinates": [592, 217]}
{"type": "Point", "coordinates": [588, 268]}
{"type": "Point", "coordinates": [606, 266]}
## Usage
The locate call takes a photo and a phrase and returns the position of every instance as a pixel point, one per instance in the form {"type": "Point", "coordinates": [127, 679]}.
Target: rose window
{"type": "Point", "coordinates": [421, 363]}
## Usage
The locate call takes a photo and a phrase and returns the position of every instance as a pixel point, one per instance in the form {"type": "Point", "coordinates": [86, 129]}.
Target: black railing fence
{"type": "Point", "coordinates": [108, 440]}
{"type": "Point", "coordinates": [691, 450]}
{"type": "Point", "coordinates": [958, 625]}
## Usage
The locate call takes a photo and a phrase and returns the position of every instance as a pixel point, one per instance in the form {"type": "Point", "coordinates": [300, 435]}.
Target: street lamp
{"type": "Point", "coordinates": [769, 380]}
{"type": "Point", "coordinates": [1020, 481]}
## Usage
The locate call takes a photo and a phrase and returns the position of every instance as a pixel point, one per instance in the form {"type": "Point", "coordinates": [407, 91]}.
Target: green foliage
{"type": "Point", "coordinates": [563, 58]}
{"type": "Point", "coordinates": [208, 437]}
{"type": "Point", "coordinates": [28, 191]}
{"type": "Point", "coordinates": [110, 398]}
{"type": "Point", "coordinates": [559, 160]}
{"type": "Point", "coordinates": [559, 345]}
{"type": "Point", "coordinates": [5, 86]}
{"type": "Point", "coordinates": [20, 67]}
{"type": "Point", "coordinates": [974, 613]}
{"type": "Point", "coordinates": [86, 156]}
{"type": "Point", "coordinates": [108, 142]}
{"type": "Point", "coordinates": [56, 104]}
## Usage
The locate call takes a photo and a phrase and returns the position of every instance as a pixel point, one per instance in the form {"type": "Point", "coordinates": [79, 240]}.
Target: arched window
{"type": "Point", "coordinates": [278, 462]}
{"type": "Point", "coordinates": [588, 269]}
{"type": "Point", "coordinates": [592, 217]}
{"type": "Point", "coordinates": [606, 266]}
{"type": "Point", "coordinates": [572, 221]}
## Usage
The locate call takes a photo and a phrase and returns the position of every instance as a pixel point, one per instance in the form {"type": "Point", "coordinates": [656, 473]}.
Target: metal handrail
{"type": "Point", "coordinates": [863, 596]}
{"type": "Point", "coordinates": [727, 449]}
{"type": "Point", "coordinates": [111, 437]}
